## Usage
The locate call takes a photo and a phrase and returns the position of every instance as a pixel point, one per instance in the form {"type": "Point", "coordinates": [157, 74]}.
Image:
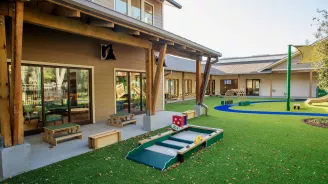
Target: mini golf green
{"type": "Point", "coordinates": [167, 149]}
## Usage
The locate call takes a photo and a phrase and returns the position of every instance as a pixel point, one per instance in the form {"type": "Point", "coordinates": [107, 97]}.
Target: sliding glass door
{"type": "Point", "coordinates": [53, 95]}
{"type": "Point", "coordinates": [253, 87]}
{"type": "Point", "coordinates": [130, 92]}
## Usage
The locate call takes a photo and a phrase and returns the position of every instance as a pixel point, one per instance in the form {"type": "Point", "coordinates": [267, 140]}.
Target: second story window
{"type": "Point", "coordinates": [136, 9]}
{"type": "Point", "coordinates": [121, 6]}
{"type": "Point", "coordinates": [149, 13]}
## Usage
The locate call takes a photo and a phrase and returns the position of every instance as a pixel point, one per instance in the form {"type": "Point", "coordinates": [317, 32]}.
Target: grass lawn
{"type": "Point", "coordinates": [281, 106]}
{"type": "Point", "coordinates": [255, 149]}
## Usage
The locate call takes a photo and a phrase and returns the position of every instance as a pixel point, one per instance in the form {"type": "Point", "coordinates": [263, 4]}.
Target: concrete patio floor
{"type": "Point", "coordinates": [43, 155]}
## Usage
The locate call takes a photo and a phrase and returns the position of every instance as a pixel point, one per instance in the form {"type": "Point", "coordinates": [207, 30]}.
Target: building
{"type": "Point", "coordinates": [80, 61]}
{"type": "Point", "coordinates": [263, 75]}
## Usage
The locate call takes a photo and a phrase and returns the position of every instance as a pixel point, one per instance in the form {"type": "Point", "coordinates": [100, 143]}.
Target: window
{"type": "Point", "coordinates": [54, 95]}
{"type": "Point", "coordinates": [149, 12]}
{"type": "Point", "coordinates": [172, 88]}
{"type": "Point", "coordinates": [136, 9]}
{"type": "Point", "coordinates": [188, 86]}
{"type": "Point", "coordinates": [121, 6]}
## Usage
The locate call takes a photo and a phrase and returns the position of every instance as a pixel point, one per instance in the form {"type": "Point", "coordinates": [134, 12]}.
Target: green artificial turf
{"type": "Point", "coordinates": [255, 149]}
{"type": "Point", "coordinates": [281, 106]}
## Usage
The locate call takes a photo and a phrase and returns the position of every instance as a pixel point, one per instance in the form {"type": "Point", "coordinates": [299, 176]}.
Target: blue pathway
{"type": "Point", "coordinates": [227, 108]}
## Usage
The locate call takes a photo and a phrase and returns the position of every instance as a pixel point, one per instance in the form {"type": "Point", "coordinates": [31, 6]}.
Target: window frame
{"type": "Point", "coordinates": [143, 17]}
{"type": "Point", "coordinates": [142, 10]}
{"type": "Point", "coordinates": [127, 7]}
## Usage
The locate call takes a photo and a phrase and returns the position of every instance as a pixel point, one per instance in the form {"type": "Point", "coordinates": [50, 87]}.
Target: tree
{"type": "Point", "coordinates": [320, 52]}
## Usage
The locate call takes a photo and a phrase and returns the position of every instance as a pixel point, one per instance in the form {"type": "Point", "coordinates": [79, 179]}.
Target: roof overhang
{"type": "Point", "coordinates": [104, 13]}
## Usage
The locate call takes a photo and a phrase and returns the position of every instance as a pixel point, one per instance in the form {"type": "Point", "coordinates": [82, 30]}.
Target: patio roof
{"type": "Point", "coordinates": [143, 30]}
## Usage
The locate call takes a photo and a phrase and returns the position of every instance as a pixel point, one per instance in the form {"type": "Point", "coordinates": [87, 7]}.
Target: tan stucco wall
{"type": "Point", "coordinates": [45, 45]}
{"type": "Point", "coordinates": [158, 9]}
{"type": "Point", "coordinates": [299, 83]}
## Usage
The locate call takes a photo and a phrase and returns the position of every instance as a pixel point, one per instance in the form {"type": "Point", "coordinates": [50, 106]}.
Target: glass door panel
{"type": "Point", "coordinates": [144, 94]}
{"type": "Point", "coordinates": [32, 97]}
{"type": "Point", "coordinates": [122, 94]}
{"type": "Point", "coordinates": [135, 92]}
{"type": "Point", "coordinates": [253, 87]}
{"type": "Point", "coordinates": [79, 95]}
{"type": "Point", "coordinates": [55, 96]}
{"type": "Point", "coordinates": [256, 87]}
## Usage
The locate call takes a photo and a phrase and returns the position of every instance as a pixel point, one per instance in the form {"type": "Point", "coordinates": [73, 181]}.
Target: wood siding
{"type": "Point", "coordinates": [158, 8]}
{"type": "Point", "coordinates": [46, 45]}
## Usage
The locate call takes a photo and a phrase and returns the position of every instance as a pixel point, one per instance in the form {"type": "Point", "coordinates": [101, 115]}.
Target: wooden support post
{"type": "Point", "coordinates": [210, 86]}
{"type": "Point", "coordinates": [4, 87]}
{"type": "Point", "coordinates": [310, 84]}
{"type": "Point", "coordinates": [16, 79]}
{"type": "Point", "coordinates": [149, 81]}
{"type": "Point", "coordinates": [198, 78]}
{"type": "Point", "coordinates": [238, 82]}
{"type": "Point", "coordinates": [271, 85]}
{"type": "Point", "coordinates": [183, 86]}
{"type": "Point", "coordinates": [159, 74]}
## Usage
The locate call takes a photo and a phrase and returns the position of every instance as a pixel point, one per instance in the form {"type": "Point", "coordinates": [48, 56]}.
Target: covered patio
{"type": "Point", "coordinates": [44, 154]}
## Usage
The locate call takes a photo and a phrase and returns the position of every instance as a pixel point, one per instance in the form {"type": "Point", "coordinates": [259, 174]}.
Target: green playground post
{"type": "Point", "coordinates": [289, 66]}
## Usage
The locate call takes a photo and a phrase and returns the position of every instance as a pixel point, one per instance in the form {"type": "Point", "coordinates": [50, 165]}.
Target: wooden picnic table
{"type": "Point", "coordinates": [68, 130]}
{"type": "Point", "coordinates": [120, 119]}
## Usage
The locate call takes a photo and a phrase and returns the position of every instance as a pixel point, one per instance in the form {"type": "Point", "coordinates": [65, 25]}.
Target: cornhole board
{"type": "Point", "coordinates": [166, 149]}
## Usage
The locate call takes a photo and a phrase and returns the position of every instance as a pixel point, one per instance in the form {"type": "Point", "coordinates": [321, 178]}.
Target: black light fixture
{"type": "Point", "coordinates": [107, 52]}
{"type": "Point", "coordinates": [164, 64]}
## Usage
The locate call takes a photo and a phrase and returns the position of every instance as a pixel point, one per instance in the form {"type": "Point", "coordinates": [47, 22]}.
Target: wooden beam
{"type": "Point", "coordinates": [190, 49]}
{"type": "Point", "coordinates": [159, 74]}
{"type": "Point", "coordinates": [127, 31]}
{"type": "Point", "coordinates": [310, 84]}
{"type": "Point", "coordinates": [5, 8]}
{"type": "Point", "coordinates": [149, 37]}
{"type": "Point", "coordinates": [46, 6]}
{"type": "Point", "coordinates": [166, 42]}
{"type": "Point", "coordinates": [183, 47]}
{"type": "Point", "coordinates": [77, 27]}
{"type": "Point", "coordinates": [149, 82]}
{"type": "Point", "coordinates": [101, 23]}
{"type": "Point", "coordinates": [198, 78]}
{"type": "Point", "coordinates": [270, 84]}
{"type": "Point", "coordinates": [183, 86]}
{"type": "Point", "coordinates": [16, 76]}
{"type": "Point", "coordinates": [66, 12]}
{"type": "Point", "coordinates": [4, 87]}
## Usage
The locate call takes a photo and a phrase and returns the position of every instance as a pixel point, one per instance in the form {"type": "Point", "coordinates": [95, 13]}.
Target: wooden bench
{"type": "Point", "coordinates": [104, 139]}
{"type": "Point", "coordinates": [190, 114]}
{"type": "Point", "coordinates": [121, 119]}
{"type": "Point", "coordinates": [69, 130]}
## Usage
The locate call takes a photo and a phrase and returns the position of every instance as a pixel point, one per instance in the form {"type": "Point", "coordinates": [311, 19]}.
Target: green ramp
{"type": "Point", "coordinates": [152, 158]}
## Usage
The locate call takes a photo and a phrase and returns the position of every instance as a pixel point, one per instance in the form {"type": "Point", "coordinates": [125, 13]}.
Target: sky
{"type": "Point", "coordinates": [239, 28]}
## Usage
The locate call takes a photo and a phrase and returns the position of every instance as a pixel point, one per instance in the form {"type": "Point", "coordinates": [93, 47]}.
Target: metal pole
{"type": "Point", "coordinates": [289, 66]}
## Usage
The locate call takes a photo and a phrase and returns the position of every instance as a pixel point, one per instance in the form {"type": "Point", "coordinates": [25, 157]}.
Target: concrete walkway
{"type": "Point", "coordinates": [43, 155]}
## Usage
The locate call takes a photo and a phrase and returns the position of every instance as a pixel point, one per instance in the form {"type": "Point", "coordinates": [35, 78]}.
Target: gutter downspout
{"type": "Point", "coordinates": [207, 72]}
